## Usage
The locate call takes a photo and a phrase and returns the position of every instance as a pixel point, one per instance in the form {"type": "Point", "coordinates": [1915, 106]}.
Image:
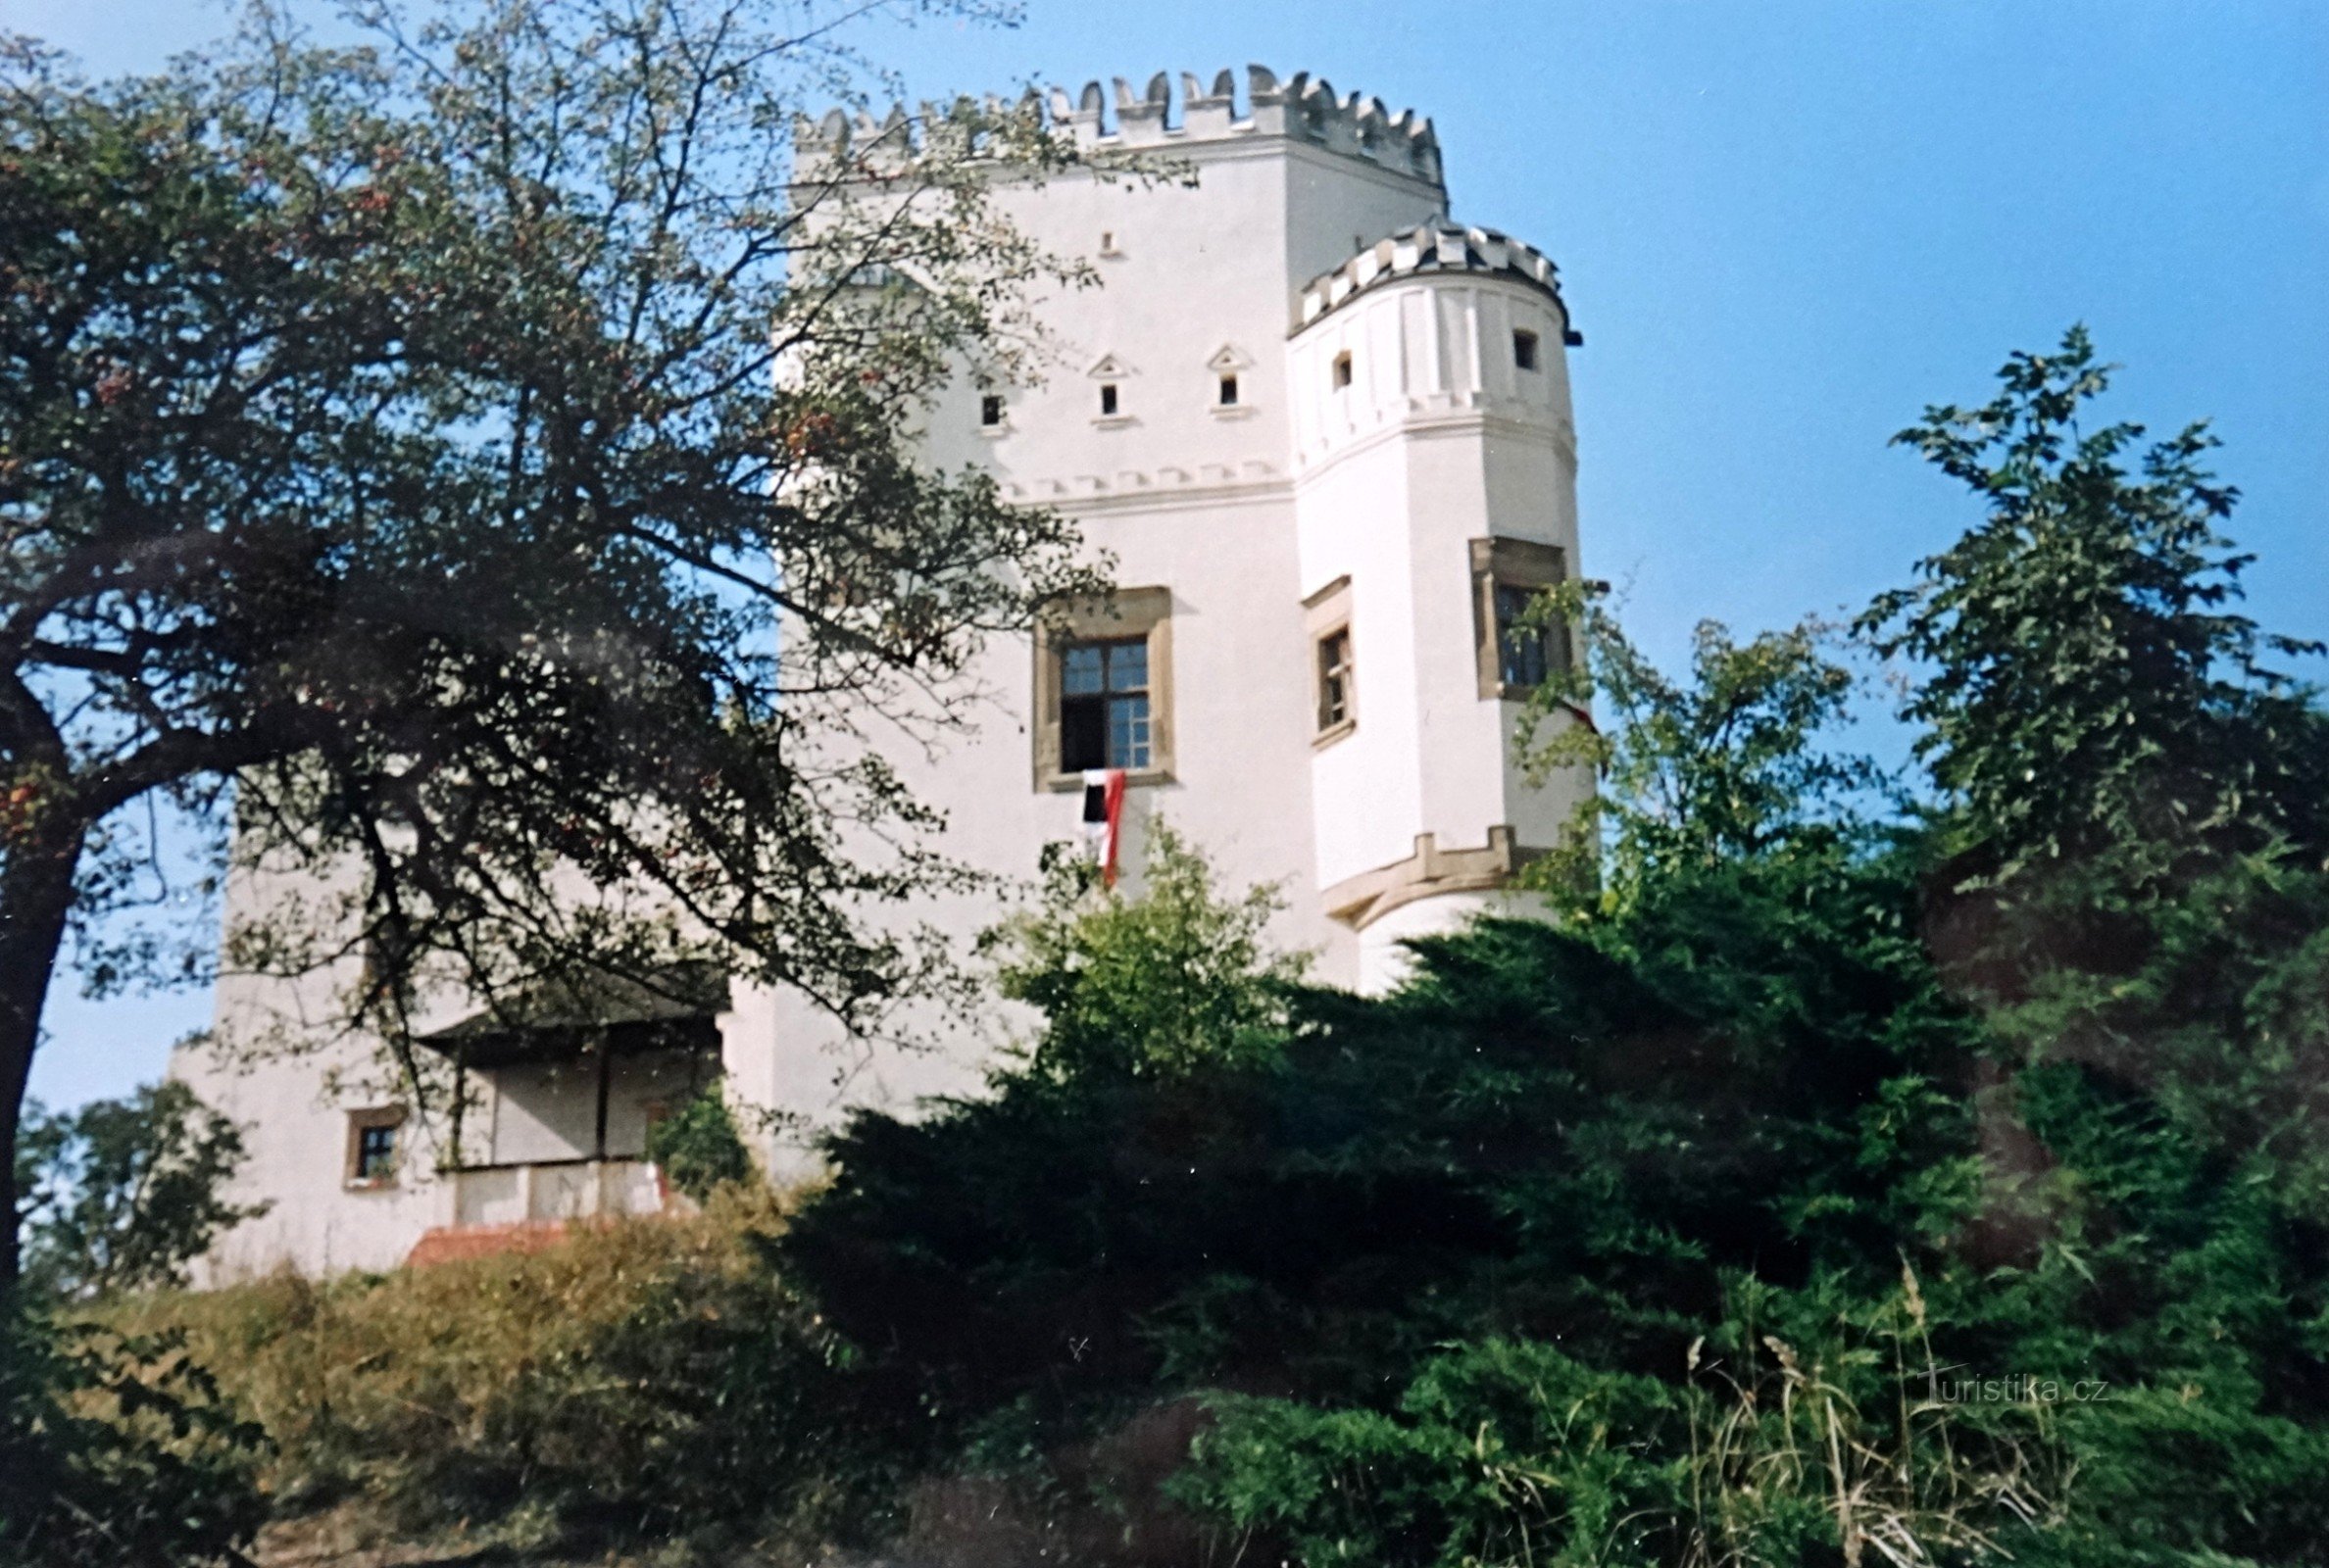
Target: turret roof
{"type": "Point", "coordinates": [1437, 245]}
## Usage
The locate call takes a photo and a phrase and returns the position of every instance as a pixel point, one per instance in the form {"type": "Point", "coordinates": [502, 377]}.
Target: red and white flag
{"type": "Point", "coordinates": [1103, 814]}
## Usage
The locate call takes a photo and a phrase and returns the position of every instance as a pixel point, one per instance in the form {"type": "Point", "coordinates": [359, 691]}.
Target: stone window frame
{"type": "Point", "coordinates": [1324, 613]}
{"type": "Point", "coordinates": [1524, 564]}
{"type": "Point", "coordinates": [361, 1121]}
{"type": "Point", "coordinates": [1127, 613]}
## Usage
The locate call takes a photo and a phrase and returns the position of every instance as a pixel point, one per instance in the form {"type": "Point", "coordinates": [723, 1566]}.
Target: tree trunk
{"type": "Point", "coordinates": [35, 901]}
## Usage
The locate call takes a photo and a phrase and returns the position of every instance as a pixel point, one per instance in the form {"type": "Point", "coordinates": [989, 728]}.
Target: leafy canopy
{"type": "Point", "coordinates": [430, 438]}
{"type": "Point", "coordinates": [123, 1195]}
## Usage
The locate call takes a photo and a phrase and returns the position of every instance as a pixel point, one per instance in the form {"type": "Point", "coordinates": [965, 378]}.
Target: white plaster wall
{"type": "Point", "coordinates": [1438, 440]}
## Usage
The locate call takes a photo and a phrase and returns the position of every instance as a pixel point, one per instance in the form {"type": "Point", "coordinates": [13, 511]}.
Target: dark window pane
{"type": "Point", "coordinates": [990, 410]}
{"type": "Point", "coordinates": [1334, 679]}
{"type": "Point", "coordinates": [1520, 650]}
{"type": "Point", "coordinates": [376, 1153]}
{"type": "Point", "coordinates": [1228, 391]}
{"type": "Point", "coordinates": [1083, 734]}
{"type": "Point", "coordinates": [1108, 398]}
{"type": "Point", "coordinates": [1524, 350]}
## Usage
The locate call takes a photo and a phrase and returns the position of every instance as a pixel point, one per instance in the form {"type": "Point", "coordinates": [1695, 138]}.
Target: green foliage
{"type": "Point", "coordinates": [118, 1451]}
{"type": "Point", "coordinates": [1691, 774]}
{"type": "Point", "coordinates": [1668, 1233]}
{"type": "Point", "coordinates": [2082, 681]}
{"type": "Point", "coordinates": [1153, 985]}
{"type": "Point", "coordinates": [396, 432]}
{"type": "Point", "coordinates": [1501, 1452]}
{"type": "Point", "coordinates": [121, 1195]}
{"type": "Point", "coordinates": [1659, 1234]}
{"type": "Point", "coordinates": [698, 1147]}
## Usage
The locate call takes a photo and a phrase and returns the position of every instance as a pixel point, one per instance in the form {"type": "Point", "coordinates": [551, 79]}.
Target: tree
{"type": "Point", "coordinates": [1728, 765]}
{"type": "Point", "coordinates": [408, 457]}
{"type": "Point", "coordinates": [123, 1194]}
{"type": "Point", "coordinates": [1160, 984]}
{"type": "Point", "coordinates": [2083, 682]}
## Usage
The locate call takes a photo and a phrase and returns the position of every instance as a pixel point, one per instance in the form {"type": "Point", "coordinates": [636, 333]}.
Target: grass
{"type": "Point", "coordinates": [643, 1381]}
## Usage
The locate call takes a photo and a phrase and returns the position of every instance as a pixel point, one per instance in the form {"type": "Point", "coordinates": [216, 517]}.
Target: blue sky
{"type": "Point", "coordinates": [1784, 227]}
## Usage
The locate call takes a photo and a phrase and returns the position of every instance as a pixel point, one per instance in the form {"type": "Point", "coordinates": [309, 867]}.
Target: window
{"type": "Point", "coordinates": [1326, 615]}
{"type": "Point", "coordinates": [1334, 678]}
{"type": "Point", "coordinates": [1341, 369]}
{"type": "Point", "coordinates": [1520, 647]}
{"type": "Point", "coordinates": [990, 410]}
{"type": "Point", "coordinates": [1108, 244]}
{"type": "Point", "coordinates": [373, 1139]}
{"type": "Point", "coordinates": [1102, 690]}
{"type": "Point", "coordinates": [1104, 705]}
{"type": "Point", "coordinates": [1507, 575]}
{"type": "Point", "coordinates": [1524, 350]}
{"type": "Point", "coordinates": [1228, 391]}
{"type": "Point", "coordinates": [1108, 399]}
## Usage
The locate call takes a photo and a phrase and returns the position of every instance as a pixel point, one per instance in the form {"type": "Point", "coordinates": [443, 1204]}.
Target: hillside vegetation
{"type": "Point", "coordinates": [1852, 1170]}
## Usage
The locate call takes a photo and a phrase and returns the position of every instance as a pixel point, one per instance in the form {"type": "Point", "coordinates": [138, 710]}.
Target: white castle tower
{"type": "Point", "coordinates": [1324, 430]}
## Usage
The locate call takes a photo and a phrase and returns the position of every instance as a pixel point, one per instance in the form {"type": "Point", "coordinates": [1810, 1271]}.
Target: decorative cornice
{"type": "Point", "coordinates": [1437, 246]}
{"type": "Point", "coordinates": [1303, 109]}
{"type": "Point", "coordinates": [1148, 487]}
{"type": "Point", "coordinates": [1357, 901]}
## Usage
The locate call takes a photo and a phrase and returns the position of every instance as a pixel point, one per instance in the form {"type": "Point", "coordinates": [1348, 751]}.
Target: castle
{"type": "Point", "coordinates": [1324, 430]}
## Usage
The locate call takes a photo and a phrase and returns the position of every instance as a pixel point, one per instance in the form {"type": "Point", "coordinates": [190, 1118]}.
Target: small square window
{"type": "Point", "coordinates": [1341, 369]}
{"type": "Point", "coordinates": [1524, 350]}
{"type": "Point", "coordinates": [375, 1145]}
{"type": "Point", "coordinates": [1108, 399]}
{"type": "Point", "coordinates": [990, 411]}
{"type": "Point", "coordinates": [1228, 391]}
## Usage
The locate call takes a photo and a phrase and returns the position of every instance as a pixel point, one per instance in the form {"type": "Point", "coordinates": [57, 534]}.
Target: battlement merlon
{"type": "Point", "coordinates": [1439, 246]}
{"type": "Point", "coordinates": [1302, 109]}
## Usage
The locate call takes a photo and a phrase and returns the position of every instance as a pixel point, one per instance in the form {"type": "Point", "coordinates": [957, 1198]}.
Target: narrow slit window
{"type": "Point", "coordinates": [1104, 705]}
{"type": "Point", "coordinates": [1341, 369]}
{"type": "Point", "coordinates": [1229, 392]}
{"type": "Point", "coordinates": [1334, 679]}
{"type": "Point", "coordinates": [1524, 350]}
{"type": "Point", "coordinates": [990, 411]}
{"type": "Point", "coordinates": [1108, 399]}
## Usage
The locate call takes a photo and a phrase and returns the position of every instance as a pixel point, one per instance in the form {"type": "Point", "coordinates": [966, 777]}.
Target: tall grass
{"type": "Point", "coordinates": [648, 1378]}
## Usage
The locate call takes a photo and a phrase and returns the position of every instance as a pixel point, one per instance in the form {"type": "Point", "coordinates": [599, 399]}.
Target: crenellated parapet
{"type": "Point", "coordinates": [1439, 246]}
{"type": "Point", "coordinates": [1302, 109]}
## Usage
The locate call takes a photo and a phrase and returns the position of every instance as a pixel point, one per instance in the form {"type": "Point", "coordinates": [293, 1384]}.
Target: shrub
{"type": "Point", "coordinates": [647, 1379]}
{"type": "Point", "coordinates": [118, 1451]}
